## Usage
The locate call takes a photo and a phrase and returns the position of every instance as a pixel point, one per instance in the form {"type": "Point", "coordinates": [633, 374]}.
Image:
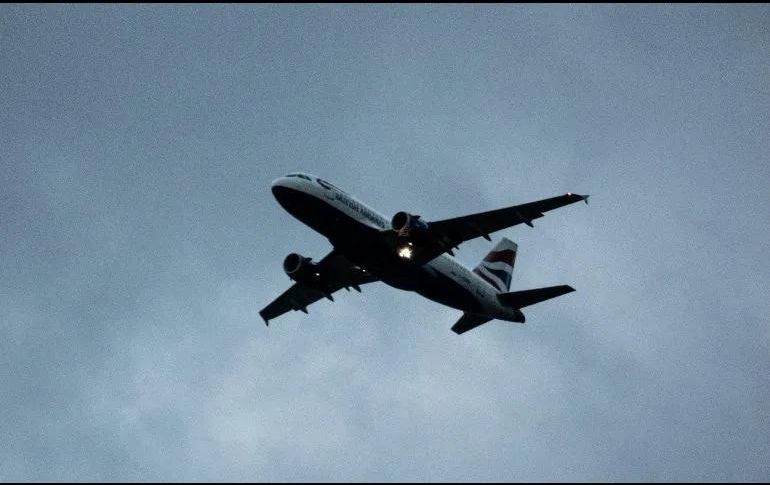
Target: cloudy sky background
{"type": "Point", "coordinates": [139, 239]}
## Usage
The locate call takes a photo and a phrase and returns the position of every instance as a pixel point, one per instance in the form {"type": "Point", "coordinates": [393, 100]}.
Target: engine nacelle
{"type": "Point", "coordinates": [301, 269]}
{"type": "Point", "coordinates": [407, 224]}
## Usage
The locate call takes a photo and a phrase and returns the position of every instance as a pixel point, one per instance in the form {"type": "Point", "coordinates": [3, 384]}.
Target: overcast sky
{"type": "Point", "coordinates": [139, 239]}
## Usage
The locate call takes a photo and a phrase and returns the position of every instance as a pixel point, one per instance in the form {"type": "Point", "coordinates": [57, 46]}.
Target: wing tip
{"type": "Point", "coordinates": [584, 198]}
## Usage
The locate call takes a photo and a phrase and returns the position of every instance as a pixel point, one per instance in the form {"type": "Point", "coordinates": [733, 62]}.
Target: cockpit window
{"type": "Point", "coordinates": [327, 185]}
{"type": "Point", "coordinates": [300, 175]}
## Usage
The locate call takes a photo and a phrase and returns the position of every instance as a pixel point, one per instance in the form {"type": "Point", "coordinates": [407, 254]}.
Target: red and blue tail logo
{"type": "Point", "coordinates": [497, 267]}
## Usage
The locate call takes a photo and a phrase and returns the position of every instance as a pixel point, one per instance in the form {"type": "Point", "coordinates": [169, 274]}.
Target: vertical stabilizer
{"type": "Point", "coordinates": [497, 266]}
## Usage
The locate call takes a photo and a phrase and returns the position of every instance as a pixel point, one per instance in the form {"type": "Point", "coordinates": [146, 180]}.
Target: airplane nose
{"type": "Point", "coordinates": [278, 190]}
{"type": "Point", "coordinates": [286, 189]}
{"type": "Point", "coordinates": [279, 187]}
{"type": "Point", "coordinates": [276, 184]}
{"type": "Point", "coordinates": [287, 197]}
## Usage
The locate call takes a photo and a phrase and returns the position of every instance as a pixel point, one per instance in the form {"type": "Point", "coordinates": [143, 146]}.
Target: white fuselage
{"type": "Point", "coordinates": [311, 200]}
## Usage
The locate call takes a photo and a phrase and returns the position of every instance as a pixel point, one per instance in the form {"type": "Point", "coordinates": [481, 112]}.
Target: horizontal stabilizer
{"type": "Point", "coordinates": [469, 321]}
{"type": "Point", "coordinates": [520, 299]}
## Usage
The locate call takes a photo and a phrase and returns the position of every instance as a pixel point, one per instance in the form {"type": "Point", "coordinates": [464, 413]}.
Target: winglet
{"type": "Point", "coordinates": [584, 198]}
{"type": "Point", "coordinates": [267, 322]}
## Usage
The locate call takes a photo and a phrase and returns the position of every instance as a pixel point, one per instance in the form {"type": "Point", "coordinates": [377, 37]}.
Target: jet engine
{"type": "Point", "coordinates": [407, 224]}
{"type": "Point", "coordinates": [301, 269]}
{"type": "Point", "coordinates": [307, 273]}
{"type": "Point", "coordinates": [412, 234]}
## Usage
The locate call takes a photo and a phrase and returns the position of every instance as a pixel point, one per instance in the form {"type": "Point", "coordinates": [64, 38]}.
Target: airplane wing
{"type": "Point", "coordinates": [454, 231]}
{"type": "Point", "coordinates": [340, 273]}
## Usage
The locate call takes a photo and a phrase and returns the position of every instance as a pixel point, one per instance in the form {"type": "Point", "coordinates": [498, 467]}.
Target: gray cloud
{"type": "Point", "coordinates": [139, 240]}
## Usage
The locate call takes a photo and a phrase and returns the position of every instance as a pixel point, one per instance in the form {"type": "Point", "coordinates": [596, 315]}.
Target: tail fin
{"type": "Point", "coordinates": [497, 266]}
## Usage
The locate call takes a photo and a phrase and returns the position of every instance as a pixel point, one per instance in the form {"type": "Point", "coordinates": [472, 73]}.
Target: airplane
{"type": "Point", "coordinates": [406, 252]}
